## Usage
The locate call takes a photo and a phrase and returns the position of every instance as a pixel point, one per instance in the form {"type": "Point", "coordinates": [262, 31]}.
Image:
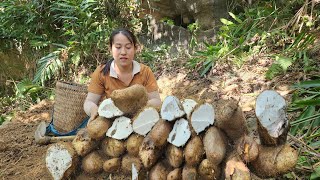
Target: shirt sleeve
{"type": "Point", "coordinates": [96, 85]}
{"type": "Point", "coordinates": [151, 84]}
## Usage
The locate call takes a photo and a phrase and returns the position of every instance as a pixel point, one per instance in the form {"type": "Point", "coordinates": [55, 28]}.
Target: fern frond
{"type": "Point", "coordinates": [48, 67]}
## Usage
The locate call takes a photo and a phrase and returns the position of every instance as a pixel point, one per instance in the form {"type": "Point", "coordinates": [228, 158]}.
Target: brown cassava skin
{"type": "Point", "coordinates": [160, 132]}
{"type": "Point", "coordinates": [274, 161]}
{"type": "Point", "coordinates": [74, 156]}
{"type": "Point", "coordinates": [113, 147]}
{"type": "Point", "coordinates": [175, 174]}
{"type": "Point", "coordinates": [148, 153]}
{"type": "Point", "coordinates": [112, 165]}
{"type": "Point", "coordinates": [214, 142]}
{"type": "Point", "coordinates": [126, 165]}
{"type": "Point", "coordinates": [131, 99]}
{"type": "Point", "coordinates": [83, 144]}
{"type": "Point", "coordinates": [97, 128]}
{"type": "Point", "coordinates": [189, 173]}
{"type": "Point", "coordinates": [92, 163]}
{"type": "Point", "coordinates": [85, 176]}
{"type": "Point", "coordinates": [230, 118]}
{"type": "Point", "coordinates": [267, 140]}
{"type": "Point", "coordinates": [174, 156]}
{"type": "Point", "coordinates": [158, 172]}
{"type": "Point", "coordinates": [133, 144]}
{"type": "Point", "coordinates": [247, 148]}
{"type": "Point", "coordinates": [194, 151]}
{"type": "Point", "coordinates": [235, 168]}
{"type": "Point", "coordinates": [208, 171]}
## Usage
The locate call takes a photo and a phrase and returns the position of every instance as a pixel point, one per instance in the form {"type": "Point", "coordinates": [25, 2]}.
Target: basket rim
{"type": "Point", "coordinates": [71, 85]}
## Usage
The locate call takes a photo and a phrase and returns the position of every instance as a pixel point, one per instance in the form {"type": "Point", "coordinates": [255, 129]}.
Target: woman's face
{"type": "Point", "coordinates": [122, 50]}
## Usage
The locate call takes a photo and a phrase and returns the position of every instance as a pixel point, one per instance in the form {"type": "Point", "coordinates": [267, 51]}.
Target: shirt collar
{"type": "Point", "coordinates": [135, 70]}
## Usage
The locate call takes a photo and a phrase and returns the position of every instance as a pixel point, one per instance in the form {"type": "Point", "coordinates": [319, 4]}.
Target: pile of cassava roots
{"type": "Point", "coordinates": [184, 139]}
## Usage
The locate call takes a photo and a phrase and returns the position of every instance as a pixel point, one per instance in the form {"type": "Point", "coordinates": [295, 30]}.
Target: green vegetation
{"type": "Point", "coordinates": [71, 32]}
{"type": "Point", "coordinates": [263, 30]}
{"type": "Point", "coordinates": [306, 128]}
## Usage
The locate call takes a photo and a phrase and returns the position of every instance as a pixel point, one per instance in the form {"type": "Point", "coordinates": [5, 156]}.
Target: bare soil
{"type": "Point", "coordinates": [22, 158]}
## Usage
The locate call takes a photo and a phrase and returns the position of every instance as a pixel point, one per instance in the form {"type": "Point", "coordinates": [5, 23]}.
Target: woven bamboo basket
{"type": "Point", "coordinates": [68, 111]}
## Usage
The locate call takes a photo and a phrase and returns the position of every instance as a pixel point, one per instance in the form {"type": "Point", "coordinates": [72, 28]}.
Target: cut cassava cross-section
{"type": "Point", "coordinates": [131, 99]}
{"type": "Point", "coordinates": [145, 120]}
{"type": "Point", "coordinates": [61, 160]}
{"type": "Point", "coordinates": [171, 108]}
{"type": "Point", "coordinates": [108, 109]}
{"type": "Point", "coordinates": [188, 106]}
{"type": "Point", "coordinates": [273, 124]}
{"type": "Point", "coordinates": [180, 133]}
{"type": "Point", "coordinates": [202, 117]}
{"type": "Point", "coordinates": [121, 128]}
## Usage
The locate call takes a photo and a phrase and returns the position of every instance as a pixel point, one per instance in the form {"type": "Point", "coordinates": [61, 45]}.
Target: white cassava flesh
{"type": "Point", "coordinates": [59, 159]}
{"type": "Point", "coordinates": [171, 108]}
{"type": "Point", "coordinates": [180, 133]}
{"type": "Point", "coordinates": [134, 172]}
{"type": "Point", "coordinates": [188, 106]}
{"type": "Point", "coordinates": [108, 109]}
{"type": "Point", "coordinates": [145, 120]}
{"type": "Point", "coordinates": [271, 112]}
{"type": "Point", "coordinates": [202, 117]}
{"type": "Point", "coordinates": [121, 128]}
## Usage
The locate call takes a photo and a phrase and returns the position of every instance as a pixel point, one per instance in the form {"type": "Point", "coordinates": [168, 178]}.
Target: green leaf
{"type": "Point", "coordinates": [206, 69]}
{"type": "Point", "coordinates": [284, 62]}
{"type": "Point", "coordinates": [315, 144]}
{"type": "Point", "coordinates": [315, 174]}
{"type": "Point", "coordinates": [273, 70]}
{"type": "Point", "coordinates": [235, 17]}
{"type": "Point", "coordinates": [307, 84]}
{"type": "Point", "coordinates": [302, 120]}
{"type": "Point", "coordinates": [76, 59]}
{"type": "Point", "coordinates": [308, 102]}
{"type": "Point", "coordinates": [309, 24]}
{"type": "Point", "coordinates": [306, 113]}
{"type": "Point", "coordinates": [226, 22]}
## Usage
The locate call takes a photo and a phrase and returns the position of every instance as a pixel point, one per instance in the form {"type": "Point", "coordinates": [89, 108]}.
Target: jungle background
{"type": "Point", "coordinates": [232, 49]}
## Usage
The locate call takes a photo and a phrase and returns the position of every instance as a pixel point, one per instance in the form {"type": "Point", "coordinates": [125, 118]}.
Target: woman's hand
{"type": "Point", "coordinates": [93, 114]}
{"type": "Point", "coordinates": [90, 106]}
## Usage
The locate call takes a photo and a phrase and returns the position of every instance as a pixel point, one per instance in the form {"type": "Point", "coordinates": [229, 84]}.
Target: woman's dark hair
{"type": "Point", "coordinates": [132, 38]}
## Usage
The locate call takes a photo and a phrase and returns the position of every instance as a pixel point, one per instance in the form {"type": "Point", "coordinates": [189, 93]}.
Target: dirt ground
{"type": "Point", "coordinates": [22, 158]}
